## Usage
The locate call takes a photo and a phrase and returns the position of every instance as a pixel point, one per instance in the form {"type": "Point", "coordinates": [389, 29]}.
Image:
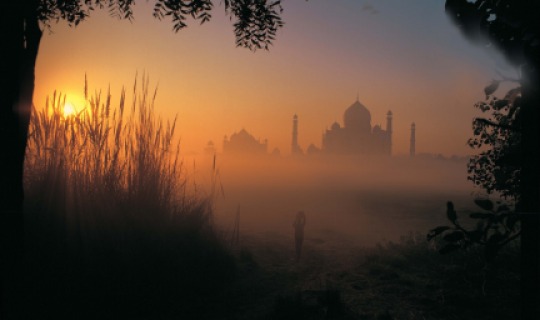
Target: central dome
{"type": "Point", "coordinates": [357, 117]}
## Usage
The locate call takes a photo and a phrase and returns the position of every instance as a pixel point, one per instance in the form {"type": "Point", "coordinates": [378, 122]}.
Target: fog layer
{"type": "Point", "coordinates": [365, 200]}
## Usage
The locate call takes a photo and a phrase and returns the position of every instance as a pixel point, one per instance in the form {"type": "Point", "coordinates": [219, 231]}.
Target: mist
{"type": "Point", "coordinates": [364, 200]}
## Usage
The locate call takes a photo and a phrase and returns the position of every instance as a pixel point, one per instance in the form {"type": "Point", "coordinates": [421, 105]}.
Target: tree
{"type": "Point", "coordinates": [255, 24]}
{"type": "Point", "coordinates": [498, 167]}
{"type": "Point", "coordinates": [512, 27]}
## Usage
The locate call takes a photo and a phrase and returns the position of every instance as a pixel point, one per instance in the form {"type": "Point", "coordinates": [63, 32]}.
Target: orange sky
{"type": "Point", "coordinates": [408, 59]}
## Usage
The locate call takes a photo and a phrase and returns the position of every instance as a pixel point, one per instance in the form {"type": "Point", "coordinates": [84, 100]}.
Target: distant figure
{"type": "Point", "coordinates": [298, 225]}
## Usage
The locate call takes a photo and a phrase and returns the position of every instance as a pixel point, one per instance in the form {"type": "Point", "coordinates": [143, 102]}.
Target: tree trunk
{"type": "Point", "coordinates": [21, 36]}
{"type": "Point", "coordinates": [530, 197]}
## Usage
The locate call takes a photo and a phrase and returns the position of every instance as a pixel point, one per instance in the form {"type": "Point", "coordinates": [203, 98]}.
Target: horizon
{"type": "Point", "coordinates": [176, 175]}
{"type": "Point", "coordinates": [409, 59]}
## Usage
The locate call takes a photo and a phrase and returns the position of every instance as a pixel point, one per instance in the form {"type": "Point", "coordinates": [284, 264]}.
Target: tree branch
{"type": "Point", "coordinates": [497, 125]}
{"type": "Point", "coordinates": [510, 238]}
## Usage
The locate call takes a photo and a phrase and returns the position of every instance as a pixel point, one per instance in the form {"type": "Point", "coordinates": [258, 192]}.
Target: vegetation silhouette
{"type": "Point", "coordinates": [112, 227]}
{"type": "Point", "coordinates": [497, 168]}
{"type": "Point", "coordinates": [512, 27]}
{"type": "Point", "coordinates": [255, 26]}
{"type": "Point", "coordinates": [20, 20]}
{"type": "Point", "coordinates": [498, 224]}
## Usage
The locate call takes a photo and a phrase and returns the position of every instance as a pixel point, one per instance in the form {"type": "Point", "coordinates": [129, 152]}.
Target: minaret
{"type": "Point", "coordinates": [412, 150]}
{"type": "Point", "coordinates": [389, 131]}
{"type": "Point", "coordinates": [294, 146]}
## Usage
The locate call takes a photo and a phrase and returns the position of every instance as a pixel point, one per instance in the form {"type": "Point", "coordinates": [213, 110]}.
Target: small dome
{"type": "Point", "coordinates": [335, 126]}
{"type": "Point", "coordinates": [357, 117]}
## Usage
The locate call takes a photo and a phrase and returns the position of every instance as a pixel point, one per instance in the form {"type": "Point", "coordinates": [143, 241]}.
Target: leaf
{"type": "Point", "coordinates": [480, 215]}
{"type": "Point", "coordinates": [511, 221]}
{"type": "Point", "coordinates": [493, 246]}
{"type": "Point", "coordinates": [475, 235]}
{"type": "Point", "coordinates": [436, 231]}
{"type": "Point", "coordinates": [496, 238]}
{"type": "Point", "coordinates": [512, 94]}
{"type": "Point", "coordinates": [491, 88]}
{"type": "Point", "coordinates": [449, 248]}
{"type": "Point", "coordinates": [485, 204]}
{"type": "Point", "coordinates": [454, 236]}
{"type": "Point", "coordinates": [499, 104]}
{"type": "Point", "coordinates": [450, 212]}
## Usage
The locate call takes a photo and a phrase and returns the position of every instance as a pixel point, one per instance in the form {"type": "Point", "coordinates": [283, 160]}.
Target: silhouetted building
{"type": "Point", "coordinates": [412, 150]}
{"type": "Point", "coordinates": [243, 142]}
{"type": "Point", "coordinates": [357, 136]}
{"type": "Point", "coordinates": [295, 148]}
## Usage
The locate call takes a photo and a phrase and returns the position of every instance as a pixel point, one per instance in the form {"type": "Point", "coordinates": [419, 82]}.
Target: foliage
{"type": "Point", "coordinates": [497, 167]}
{"type": "Point", "coordinates": [512, 27]}
{"type": "Point", "coordinates": [497, 226]}
{"type": "Point", "coordinates": [255, 21]}
{"type": "Point", "coordinates": [509, 25]}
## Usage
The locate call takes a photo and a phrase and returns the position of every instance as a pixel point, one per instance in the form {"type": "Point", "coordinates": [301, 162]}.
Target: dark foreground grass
{"type": "Point", "coordinates": [168, 273]}
{"type": "Point", "coordinates": [405, 280]}
{"type": "Point", "coordinates": [410, 280]}
{"type": "Point", "coordinates": [196, 277]}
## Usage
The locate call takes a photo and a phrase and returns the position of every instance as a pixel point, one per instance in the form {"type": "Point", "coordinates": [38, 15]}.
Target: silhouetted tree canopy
{"type": "Point", "coordinates": [509, 25]}
{"type": "Point", "coordinates": [513, 27]}
{"type": "Point", "coordinates": [497, 167]}
{"type": "Point", "coordinates": [255, 21]}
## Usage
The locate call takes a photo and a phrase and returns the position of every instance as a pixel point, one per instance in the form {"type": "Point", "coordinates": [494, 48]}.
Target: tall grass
{"type": "Point", "coordinates": [109, 213]}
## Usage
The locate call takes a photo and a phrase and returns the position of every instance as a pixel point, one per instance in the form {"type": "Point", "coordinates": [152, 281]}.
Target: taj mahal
{"type": "Point", "coordinates": [356, 136]}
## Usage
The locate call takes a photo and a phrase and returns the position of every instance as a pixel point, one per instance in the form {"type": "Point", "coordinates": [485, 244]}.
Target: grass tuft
{"type": "Point", "coordinates": [112, 227]}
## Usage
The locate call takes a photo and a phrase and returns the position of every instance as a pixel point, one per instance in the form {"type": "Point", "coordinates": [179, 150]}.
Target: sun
{"type": "Point", "coordinates": [69, 109]}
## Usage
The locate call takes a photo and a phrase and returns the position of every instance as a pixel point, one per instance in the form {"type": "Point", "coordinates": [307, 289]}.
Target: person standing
{"type": "Point", "coordinates": [298, 225]}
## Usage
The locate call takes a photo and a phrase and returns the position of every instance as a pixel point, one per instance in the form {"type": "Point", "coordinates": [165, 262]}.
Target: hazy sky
{"type": "Point", "coordinates": [404, 56]}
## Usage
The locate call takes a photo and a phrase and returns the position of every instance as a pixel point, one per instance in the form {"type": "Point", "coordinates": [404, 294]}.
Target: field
{"type": "Point", "coordinates": [365, 254]}
{"type": "Point", "coordinates": [337, 280]}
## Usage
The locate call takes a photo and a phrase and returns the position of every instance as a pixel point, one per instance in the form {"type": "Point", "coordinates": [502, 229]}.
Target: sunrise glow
{"type": "Point", "coordinates": [69, 109]}
{"type": "Point", "coordinates": [356, 169]}
{"type": "Point", "coordinates": [423, 70]}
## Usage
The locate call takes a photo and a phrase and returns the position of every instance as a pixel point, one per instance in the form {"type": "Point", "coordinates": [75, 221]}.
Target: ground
{"type": "Point", "coordinates": [336, 279]}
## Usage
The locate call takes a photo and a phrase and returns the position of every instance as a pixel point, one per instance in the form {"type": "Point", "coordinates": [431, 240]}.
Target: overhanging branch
{"type": "Point", "coordinates": [497, 125]}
